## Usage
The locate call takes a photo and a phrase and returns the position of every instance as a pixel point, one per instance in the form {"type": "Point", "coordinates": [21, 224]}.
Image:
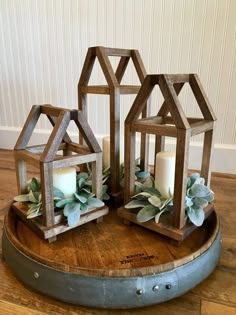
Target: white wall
{"type": "Point", "coordinates": [44, 43]}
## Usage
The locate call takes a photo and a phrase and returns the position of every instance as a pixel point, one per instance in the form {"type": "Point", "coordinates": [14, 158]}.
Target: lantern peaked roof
{"type": "Point", "coordinates": [170, 121]}
{"type": "Point", "coordinates": [170, 86]}
{"type": "Point", "coordinates": [60, 119]}
{"type": "Point", "coordinates": [112, 77]}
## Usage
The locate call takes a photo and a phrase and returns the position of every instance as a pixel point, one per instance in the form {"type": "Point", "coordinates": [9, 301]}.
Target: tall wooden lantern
{"type": "Point", "coordinates": [47, 159]}
{"type": "Point", "coordinates": [170, 121]}
{"type": "Point", "coordinates": [114, 89]}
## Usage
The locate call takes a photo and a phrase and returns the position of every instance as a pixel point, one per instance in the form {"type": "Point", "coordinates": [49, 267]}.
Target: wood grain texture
{"type": "Point", "coordinates": [216, 295]}
{"type": "Point", "coordinates": [181, 173]}
{"type": "Point", "coordinates": [56, 137]}
{"type": "Point", "coordinates": [164, 110]}
{"type": "Point", "coordinates": [87, 132]}
{"type": "Point", "coordinates": [201, 97]}
{"type": "Point", "coordinates": [207, 156]}
{"type": "Point", "coordinates": [118, 250]}
{"type": "Point", "coordinates": [120, 70]}
{"type": "Point", "coordinates": [139, 65]}
{"type": "Point", "coordinates": [7, 308]}
{"type": "Point", "coordinates": [106, 67]}
{"type": "Point", "coordinates": [115, 140]}
{"type": "Point", "coordinates": [209, 308]}
{"type": "Point", "coordinates": [173, 102]}
{"type": "Point", "coordinates": [28, 128]}
{"type": "Point", "coordinates": [105, 90]}
{"type": "Point", "coordinates": [46, 179]}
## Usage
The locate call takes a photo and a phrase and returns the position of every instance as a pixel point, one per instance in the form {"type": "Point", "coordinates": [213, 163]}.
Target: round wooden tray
{"type": "Point", "coordinates": [110, 264]}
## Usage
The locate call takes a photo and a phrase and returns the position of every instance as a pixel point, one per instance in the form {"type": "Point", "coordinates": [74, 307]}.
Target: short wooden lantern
{"type": "Point", "coordinates": [46, 159]}
{"type": "Point", "coordinates": [170, 121]}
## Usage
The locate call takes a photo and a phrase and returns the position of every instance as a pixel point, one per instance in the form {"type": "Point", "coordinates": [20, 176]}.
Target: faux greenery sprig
{"type": "Point", "coordinates": [81, 201]}
{"type": "Point", "coordinates": [154, 205]}
{"type": "Point", "coordinates": [106, 172]}
{"type": "Point", "coordinates": [33, 198]}
{"type": "Point", "coordinates": [105, 176]}
{"type": "Point", "coordinates": [197, 198]}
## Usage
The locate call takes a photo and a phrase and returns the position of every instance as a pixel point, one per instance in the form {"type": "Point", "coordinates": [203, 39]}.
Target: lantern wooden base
{"type": "Point", "coordinates": [60, 225]}
{"type": "Point", "coordinates": [110, 265]}
{"type": "Point", "coordinates": [164, 226]}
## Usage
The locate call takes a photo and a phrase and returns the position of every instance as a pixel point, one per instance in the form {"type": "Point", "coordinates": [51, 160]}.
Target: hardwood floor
{"type": "Point", "coordinates": [216, 295]}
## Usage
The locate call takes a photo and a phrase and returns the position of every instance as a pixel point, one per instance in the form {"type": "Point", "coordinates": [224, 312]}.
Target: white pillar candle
{"type": "Point", "coordinates": [122, 156]}
{"type": "Point", "coordinates": [165, 173]}
{"type": "Point", "coordinates": [65, 180]}
{"type": "Point", "coordinates": [106, 152]}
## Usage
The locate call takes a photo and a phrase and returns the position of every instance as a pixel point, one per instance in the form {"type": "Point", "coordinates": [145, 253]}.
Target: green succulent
{"type": "Point", "coordinates": [153, 205]}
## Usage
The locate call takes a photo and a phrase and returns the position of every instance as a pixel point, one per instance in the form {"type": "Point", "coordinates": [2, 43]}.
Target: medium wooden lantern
{"type": "Point", "coordinates": [46, 159]}
{"type": "Point", "coordinates": [114, 89]}
{"type": "Point", "coordinates": [170, 121]}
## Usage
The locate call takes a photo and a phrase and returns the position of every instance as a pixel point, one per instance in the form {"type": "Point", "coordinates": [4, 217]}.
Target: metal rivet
{"type": "Point", "coordinates": [168, 286]}
{"type": "Point", "coordinates": [139, 291]}
{"type": "Point", "coordinates": [36, 275]}
{"type": "Point", "coordinates": [155, 288]}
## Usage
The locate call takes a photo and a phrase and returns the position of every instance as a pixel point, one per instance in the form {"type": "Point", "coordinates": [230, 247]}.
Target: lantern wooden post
{"type": "Point", "coordinates": [114, 89]}
{"type": "Point", "coordinates": [46, 159]}
{"type": "Point", "coordinates": [175, 125]}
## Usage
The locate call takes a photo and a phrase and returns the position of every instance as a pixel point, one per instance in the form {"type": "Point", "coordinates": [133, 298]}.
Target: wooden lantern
{"type": "Point", "coordinates": [46, 159]}
{"type": "Point", "coordinates": [113, 89]}
{"type": "Point", "coordinates": [170, 121]}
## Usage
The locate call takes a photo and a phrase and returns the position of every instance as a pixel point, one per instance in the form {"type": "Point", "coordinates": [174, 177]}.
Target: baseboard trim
{"type": "Point", "coordinates": [224, 155]}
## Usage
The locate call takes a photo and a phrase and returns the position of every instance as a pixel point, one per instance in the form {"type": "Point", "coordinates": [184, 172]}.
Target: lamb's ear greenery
{"type": "Point", "coordinates": [72, 212]}
{"type": "Point", "coordinates": [80, 197]}
{"type": "Point", "coordinates": [153, 205]}
{"type": "Point", "coordinates": [22, 198]}
{"type": "Point", "coordinates": [196, 215]}
{"type": "Point", "coordinates": [136, 204]}
{"type": "Point", "coordinates": [33, 198]}
{"type": "Point", "coordinates": [81, 201]}
{"type": "Point", "coordinates": [147, 213]}
{"type": "Point", "coordinates": [142, 175]}
{"type": "Point", "coordinates": [94, 202]}
{"type": "Point", "coordinates": [61, 203]}
{"type": "Point", "coordinates": [57, 194]}
{"type": "Point", "coordinates": [155, 201]}
{"type": "Point", "coordinates": [197, 198]}
{"type": "Point", "coordinates": [35, 185]}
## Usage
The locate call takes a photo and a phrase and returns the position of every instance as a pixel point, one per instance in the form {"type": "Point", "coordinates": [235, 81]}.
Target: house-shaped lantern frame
{"type": "Point", "coordinates": [114, 89]}
{"type": "Point", "coordinates": [46, 159]}
{"type": "Point", "coordinates": [175, 125]}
